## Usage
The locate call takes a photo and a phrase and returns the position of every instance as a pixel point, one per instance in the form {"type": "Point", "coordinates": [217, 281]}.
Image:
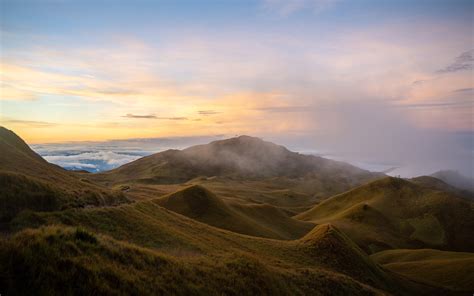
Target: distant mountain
{"type": "Point", "coordinates": [396, 213]}
{"type": "Point", "coordinates": [30, 182]}
{"type": "Point", "coordinates": [241, 157]}
{"type": "Point", "coordinates": [238, 161]}
{"type": "Point", "coordinates": [455, 179]}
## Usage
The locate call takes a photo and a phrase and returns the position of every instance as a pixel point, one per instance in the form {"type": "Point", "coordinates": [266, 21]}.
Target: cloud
{"type": "Point", "coordinates": [463, 62]}
{"type": "Point", "coordinates": [463, 90]}
{"type": "Point", "coordinates": [30, 123]}
{"type": "Point", "coordinates": [372, 131]}
{"type": "Point", "coordinates": [106, 155]}
{"type": "Point", "coordinates": [172, 118]}
{"type": "Point", "coordinates": [208, 112]}
{"type": "Point", "coordinates": [285, 109]}
{"type": "Point", "coordinates": [140, 116]}
{"type": "Point", "coordinates": [418, 82]}
{"type": "Point", "coordinates": [449, 104]}
{"type": "Point", "coordinates": [287, 7]}
{"type": "Point", "coordinates": [151, 116]}
{"type": "Point", "coordinates": [96, 160]}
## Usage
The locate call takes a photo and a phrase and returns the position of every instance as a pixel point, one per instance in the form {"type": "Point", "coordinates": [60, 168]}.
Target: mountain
{"type": "Point", "coordinates": [395, 213]}
{"type": "Point", "coordinates": [246, 168]}
{"type": "Point", "coordinates": [452, 270]}
{"type": "Point", "coordinates": [198, 203]}
{"type": "Point", "coordinates": [30, 182]}
{"type": "Point", "coordinates": [455, 179]}
{"type": "Point", "coordinates": [241, 157]}
{"type": "Point", "coordinates": [227, 229]}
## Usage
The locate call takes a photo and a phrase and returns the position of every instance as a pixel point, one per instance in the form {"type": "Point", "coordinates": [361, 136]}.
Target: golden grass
{"type": "Point", "coordinates": [453, 270]}
{"type": "Point", "coordinates": [396, 213]}
{"type": "Point", "coordinates": [253, 219]}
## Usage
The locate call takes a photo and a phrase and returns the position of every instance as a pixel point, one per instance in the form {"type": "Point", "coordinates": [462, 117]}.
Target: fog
{"type": "Point", "coordinates": [379, 136]}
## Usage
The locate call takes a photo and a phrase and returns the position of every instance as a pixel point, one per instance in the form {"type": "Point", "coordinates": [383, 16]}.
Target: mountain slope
{"type": "Point", "coordinates": [142, 247]}
{"type": "Point", "coordinates": [234, 163]}
{"type": "Point", "coordinates": [198, 203]}
{"type": "Point", "coordinates": [30, 182]}
{"type": "Point", "coordinates": [396, 213]}
{"type": "Point", "coordinates": [244, 156]}
{"type": "Point", "coordinates": [453, 270]}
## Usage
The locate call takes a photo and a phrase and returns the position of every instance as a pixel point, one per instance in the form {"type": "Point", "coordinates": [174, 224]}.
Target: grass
{"type": "Point", "coordinates": [57, 260]}
{"type": "Point", "coordinates": [20, 192]}
{"type": "Point", "coordinates": [453, 270]}
{"type": "Point", "coordinates": [30, 183]}
{"type": "Point", "coordinates": [232, 166]}
{"type": "Point", "coordinates": [253, 219]}
{"type": "Point", "coordinates": [396, 213]}
{"type": "Point", "coordinates": [74, 233]}
{"type": "Point", "coordinates": [320, 262]}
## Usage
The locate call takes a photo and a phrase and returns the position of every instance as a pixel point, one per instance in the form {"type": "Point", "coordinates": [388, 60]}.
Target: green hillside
{"type": "Point", "coordinates": [30, 182]}
{"type": "Point", "coordinates": [396, 213]}
{"type": "Point", "coordinates": [212, 235]}
{"type": "Point", "coordinates": [253, 219]}
{"type": "Point", "coordinates": [453, 270]}
{"type": "Point", "coordinates": [141, 247]}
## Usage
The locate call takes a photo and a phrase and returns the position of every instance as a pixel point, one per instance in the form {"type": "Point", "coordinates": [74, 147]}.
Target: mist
{"type": "Point", "coordinates": [379, 136]}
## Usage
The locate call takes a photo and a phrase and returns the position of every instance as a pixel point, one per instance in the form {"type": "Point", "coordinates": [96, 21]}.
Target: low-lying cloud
{"type": "Point", "coordinates": [152, 116]}
{"type": "Point", "coordinates": [107, 155]}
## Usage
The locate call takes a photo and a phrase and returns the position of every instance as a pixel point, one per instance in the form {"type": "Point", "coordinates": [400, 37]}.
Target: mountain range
{"type": "Point", "coordinates": [240, 216]}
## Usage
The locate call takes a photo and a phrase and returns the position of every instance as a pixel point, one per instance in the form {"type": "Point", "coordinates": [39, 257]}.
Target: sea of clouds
{"type": "Point", "coordinates": [107, 155]}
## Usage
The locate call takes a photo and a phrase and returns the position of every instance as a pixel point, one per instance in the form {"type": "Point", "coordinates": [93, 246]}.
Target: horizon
{"type": "Point", "coordinates": [377, 82]}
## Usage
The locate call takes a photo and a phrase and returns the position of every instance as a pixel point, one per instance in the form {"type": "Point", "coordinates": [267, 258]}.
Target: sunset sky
{"type": "Point", "coordinates": [351, 74]}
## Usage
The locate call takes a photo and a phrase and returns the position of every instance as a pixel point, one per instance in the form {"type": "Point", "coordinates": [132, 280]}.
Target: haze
{"type": "Point", "coordinates": [381, 82]}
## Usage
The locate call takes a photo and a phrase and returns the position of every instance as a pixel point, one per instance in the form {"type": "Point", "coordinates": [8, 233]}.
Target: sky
{"type": "Point", "coordinates": [387, 82]}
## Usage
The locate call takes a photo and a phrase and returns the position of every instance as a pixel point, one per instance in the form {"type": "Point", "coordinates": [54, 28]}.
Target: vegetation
{"type": "Point", "coordinates": [453, 270]}
{"type": "Point", "coordinates": [68, 233]}
{"type": "Point", "coordinates": [396, 213]}
{"type": "Point", "coordinates": [253, 219]}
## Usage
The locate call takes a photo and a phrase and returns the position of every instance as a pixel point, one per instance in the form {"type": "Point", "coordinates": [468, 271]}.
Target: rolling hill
{"type": "Point", "coordinates": [453, 270]}
{"type": "Point", "coordinates": [396, 213]}
{"type": "Point", "coordinates": [141, 247]}
{"type": "Point", "coordinates": [215, 234]}
{"type": "Point", "coordinates": [198, 203]}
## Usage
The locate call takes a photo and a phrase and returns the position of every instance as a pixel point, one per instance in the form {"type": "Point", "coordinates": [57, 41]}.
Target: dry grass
{"type": "Point", "coordinates": [253, 219]}
{"type": "Point", "coordinates": [453, 270]}
{"type": "Point", "coordinates": [396, 213]}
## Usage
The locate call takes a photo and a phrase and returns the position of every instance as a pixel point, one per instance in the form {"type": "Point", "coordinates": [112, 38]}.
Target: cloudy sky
{"type": "Point", "coordinates": [379, 81]}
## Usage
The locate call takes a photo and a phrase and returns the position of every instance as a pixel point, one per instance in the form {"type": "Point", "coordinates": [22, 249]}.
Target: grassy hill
{"type": "Point", "coordinates": [30, 182]}
{"type": "Point", "coordinates": [453, 270]}
{"type": "Point", "coordinates": [438, 184]}
{"type": "Point", "coordinates": [396, 213]}
{"type": "Point", "coordinates": [142, 247]}
{"type": "Point", "coordinates": [253, 219]}
{"type": "Point", "coordinates": [68, 234]}
{"type": "Point", "coordinates": [233, 165]}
